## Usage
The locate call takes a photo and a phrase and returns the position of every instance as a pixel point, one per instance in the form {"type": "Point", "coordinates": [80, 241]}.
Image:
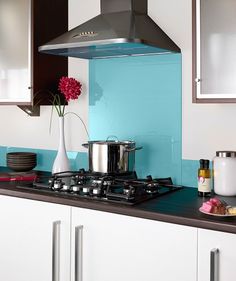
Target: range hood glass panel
{"type": "Point", "coordinates": [109, 50]}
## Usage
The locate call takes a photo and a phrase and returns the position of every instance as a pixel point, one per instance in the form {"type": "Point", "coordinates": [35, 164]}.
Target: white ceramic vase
{"type": "Point", "coordinates": [61, 162]}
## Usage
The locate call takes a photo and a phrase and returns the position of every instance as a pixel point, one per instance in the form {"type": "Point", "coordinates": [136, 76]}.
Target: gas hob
{"type": "Point", "coordinates": [119, 188]}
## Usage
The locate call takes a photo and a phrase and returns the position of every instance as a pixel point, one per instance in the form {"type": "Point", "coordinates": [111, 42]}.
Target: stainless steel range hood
{"type": "Point", "coordinates": [122, 29]}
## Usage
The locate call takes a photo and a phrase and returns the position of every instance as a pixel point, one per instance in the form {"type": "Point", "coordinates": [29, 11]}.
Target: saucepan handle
{"type": "Point", "coordinates": [85, 145]}
{"type": "Point", "coordinates": [133, 149]}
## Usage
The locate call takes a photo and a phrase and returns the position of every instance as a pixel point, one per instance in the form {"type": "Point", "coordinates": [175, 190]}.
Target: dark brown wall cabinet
{"type": "Point", "coordinates": [214, 51]}
{"type": "Point", "coordinates": [26, 76]}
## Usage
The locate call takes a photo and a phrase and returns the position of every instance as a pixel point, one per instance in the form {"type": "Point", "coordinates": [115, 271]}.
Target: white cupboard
{"type": "Point", "coordinates": [214, 51]}
{"type": "Point", "coordinates": [117, 247]}
{"type": "Point", "coordinates": [48, 242]}
{"type": "Point", "coordinates": [34, 240]}
{"type": "Point", "coordinates": [216, 256]}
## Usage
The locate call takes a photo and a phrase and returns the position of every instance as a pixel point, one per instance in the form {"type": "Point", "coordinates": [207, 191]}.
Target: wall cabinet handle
{"type": "Point", "coordinates": [214, 265]}
{"type": "Point", "coordinates": [79, 253]}
{"type": "Point", "coordinates": [56, 229]}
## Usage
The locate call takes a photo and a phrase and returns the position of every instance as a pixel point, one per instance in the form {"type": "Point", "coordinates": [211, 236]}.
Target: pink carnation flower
{"type": "Point", "coordinates": [70, 88]}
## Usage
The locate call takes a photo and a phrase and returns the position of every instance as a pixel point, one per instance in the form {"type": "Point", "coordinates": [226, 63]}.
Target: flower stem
{"type": "Point", "coordinates": [58, 102]}
{"type": "Point", "coordinates": [80, 120]}
{"type": "Point", "coordinates": [50, 124]}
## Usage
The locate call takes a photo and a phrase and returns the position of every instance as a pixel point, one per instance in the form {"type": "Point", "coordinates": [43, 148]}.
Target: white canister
{"type": "Point", "coordinates": [224, 173]}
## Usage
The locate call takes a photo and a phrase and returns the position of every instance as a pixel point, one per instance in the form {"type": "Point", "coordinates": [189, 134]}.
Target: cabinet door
{"type": "Point", "coordinates": [214, 50]}
{"type": "Point", "coordinates": [122, 248]}
{"type": "Point", "coordinates": [15, 50]}
{"type": "Point", "coordinates": [34, 240]}
{"type": "Point", "coordinates": [216, 256]}
{"type": "Point", "coordinates": [26, 76]}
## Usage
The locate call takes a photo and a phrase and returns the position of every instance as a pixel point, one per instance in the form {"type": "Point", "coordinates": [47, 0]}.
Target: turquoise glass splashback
{"type": "Point", "coordinates": [45, 158]}
{"type": "Point", "coordinates": [79, 160]}
{"type": "Point", "coordinates": [135, 98]}
{"type": "Point", "coordinates": [140, 99]}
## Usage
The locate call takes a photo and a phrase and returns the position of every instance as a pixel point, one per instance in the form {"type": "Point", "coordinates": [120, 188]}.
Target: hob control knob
{"type": "Point", "coordinates": [58, 184]}
{"type": "Point", "coordinates": [75, 188]}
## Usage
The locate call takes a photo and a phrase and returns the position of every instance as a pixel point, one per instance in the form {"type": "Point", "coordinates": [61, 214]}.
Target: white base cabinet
{"type": "Point", "coordinates": [49, 242]}
{"type": "Point", "coordinates": [216, 256]}
{"type": "Point", "coordinates": [122, 248]}
{"type": "Point", "coordinates": [34, 240]}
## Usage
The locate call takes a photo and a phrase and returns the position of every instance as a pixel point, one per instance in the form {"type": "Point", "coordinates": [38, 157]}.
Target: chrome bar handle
{"type": "Point", "coordinates": [214, 268]}
{"type": "Point", "coordinates": [79, 253]}
{"type": "Point", "coordinates": [56, 229]}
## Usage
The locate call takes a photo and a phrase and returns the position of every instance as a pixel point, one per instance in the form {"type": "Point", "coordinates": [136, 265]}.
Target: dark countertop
{"type": "Point", "coordinates": [180, 207]}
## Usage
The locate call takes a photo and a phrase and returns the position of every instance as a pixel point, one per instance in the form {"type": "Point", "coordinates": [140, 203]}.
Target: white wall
{"type": "Point", "coordinates": [206, 128]}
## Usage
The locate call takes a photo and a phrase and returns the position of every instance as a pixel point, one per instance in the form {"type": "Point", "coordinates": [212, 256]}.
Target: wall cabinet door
{"type": "Point", "coordinates": [34, 240]}
{"type": "Point", "coordinates": [214, 53]}
{"type": "Point", "coordinates": [116, 247]}
{"type": "Point", "coordinates": [216, 256]}
{"type": "Point", "coordinates": [15, 66]}
{"type": "Point", "coordinates": [26, 76]}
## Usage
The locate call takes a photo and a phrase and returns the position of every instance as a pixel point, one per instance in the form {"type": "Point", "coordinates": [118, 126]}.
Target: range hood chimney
{"type": "Point", "coordinates": [122, 29]}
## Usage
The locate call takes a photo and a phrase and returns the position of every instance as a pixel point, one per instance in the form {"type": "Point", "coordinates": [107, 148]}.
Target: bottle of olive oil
{"type": "Point", "coordinates": [204, 178]}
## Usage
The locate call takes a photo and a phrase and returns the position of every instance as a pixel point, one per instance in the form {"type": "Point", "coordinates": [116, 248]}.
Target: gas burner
{"type": "Point", "coordinates": [78, 179]}
{"type": "Point", "coordinates": [128, 189]}
{"type": "Point", "coordinates": [102, 181]}
{"type": "Point", "coordinates": [124, 189]}
{"type": "Point", "coordinates": [152, 187]}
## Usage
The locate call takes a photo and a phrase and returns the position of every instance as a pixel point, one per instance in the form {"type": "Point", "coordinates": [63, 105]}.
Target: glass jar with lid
{"type": "Point", "coordinates": [224, 173]}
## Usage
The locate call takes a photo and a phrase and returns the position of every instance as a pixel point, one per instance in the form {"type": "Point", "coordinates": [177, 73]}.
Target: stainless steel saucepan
{"type": "Point", "coordinates": [111, 156]}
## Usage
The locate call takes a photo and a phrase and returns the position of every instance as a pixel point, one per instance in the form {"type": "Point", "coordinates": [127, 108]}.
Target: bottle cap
{"type": "Point", "coordinates": [231, 154]}
{"type": "Point", "coordinates": [204, 163]}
